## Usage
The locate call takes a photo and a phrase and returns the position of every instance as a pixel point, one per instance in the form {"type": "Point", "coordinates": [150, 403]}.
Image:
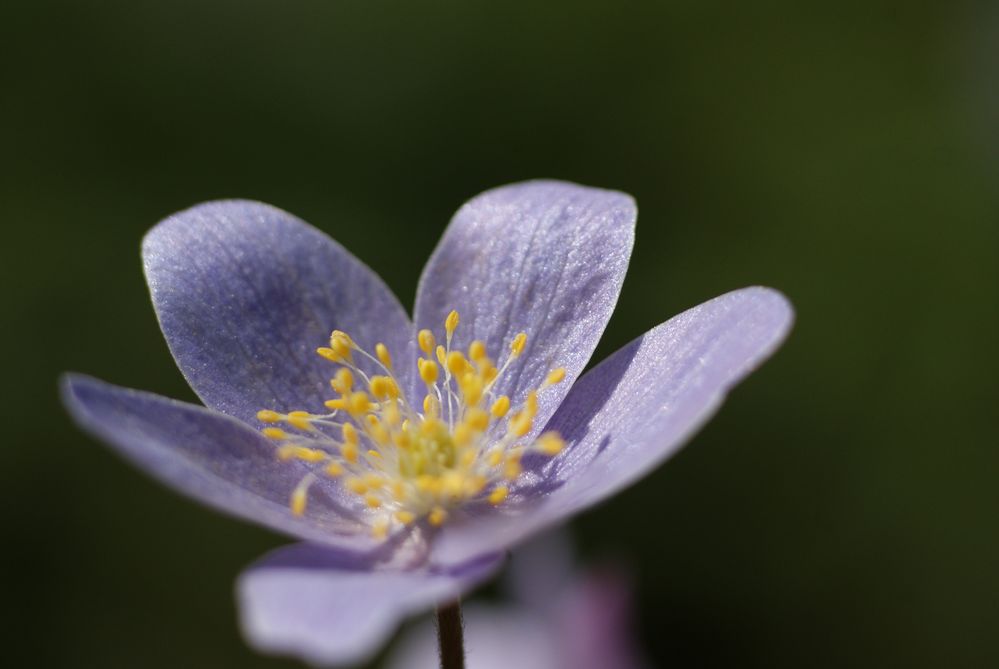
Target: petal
{"type": "Point", "coordinates": [631, 412]}
{"type": "Point", "coordinates": [542, 257]}
{"type": "Point", "coordinates": [245, 293]}
{"type": "Point", "coordinates": [213, 458]}
{"type": "Point", "coordinates": [329, 608]}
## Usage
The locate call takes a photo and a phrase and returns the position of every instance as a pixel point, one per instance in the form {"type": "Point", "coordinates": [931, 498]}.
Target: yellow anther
{"type": "Point", "coordinates": [300, 420]}
{"type": "Point", "coordinates": [274, 433]}
{"type": "Point", "coordinates": [380, 528]}
{"type": "Point", "coordinates": [341, 344]}
{"type": "Point", "coordinates": [375, 454]}
{"type": "Point", "coordinates": [343, 380]}
{"type": "Point", "coordinates": [471, 388]}
{"type": "Point", "coordinates": [474, 485]}
{"type": "Point", "coordinates": [431, 407]}
{"type": "Point", "coordinates": [453, 484]}
{"type": "Point", "coordinates": [463, 434]}
{"type": "Point", "coordinates": [477, 350]}
{"type": "Point", "coordinates": [349, 452]}
{"type": "Point", "coordinates": [336, 405]}
{"type": "Point", "coordinates": [550, 443]}
{"type": "Point", "coordinates": [521, 424]}
{"type": "Point", "coordinates": [500, 406]}
{"type": "Point", "coordinates": [380, 435]}
{"type": "Point", "coordinates": [430, 484]}
{"type": "Point", "coordinates": [431, 426]}
{"type": "Point", "coordinates": [468, 457]}
{"type": "Point", "coordinates": [488, 371]}
{"type": "Point", "coordinates": [426, 340]}
{"type": "Point", "coordinates": [374, 481]}
{"type": "Point", "coordinates": [299, 496]}
{"type": "Point", "coordinates": [290, 452]}
{"type": "Point", "coordinates": [441, 354]}
{"type": "Point", "coordinates": [356, 485]}
{"type": "Point", "coordinates": [437, 514]}
{"type": "Point", "coordinates": [372, 501]}
{"type": "Point", "coordinates": [349, 433]}
{"type": "Point", "coordinates": [404, 517]}
{"type": "Point", "coordinates": [358, 403]}
{"type": "Point", "coordinates": [477, 419]}
{"type": "Point", "coordinates": [381, 350]}
{"type": "Point", "coordinates": [518, 343]}
{"type": "Point", "coordinates": [268, 416]}
{"type": "Point", "coordinates": [298, 500]}
{"type": "Point", "coordinates": [456, 363]}
{"type": "Point", "coordinates": [555, 376]}
{"type": "Point", "coordinates": [498, 494]}
{"type": "Point", "coordinates": [402, 440]}
{"type": "Point", "coordinates": [531, 403]}
{"type": "Point", "coordinates": [383, 387]}
{"type": "Point", "coordinates": [451, 323]}
{"type": "Point", "coordinates": [329, 354]}
{"type": "Point", "coordinates": [391, 415]}
{"type": "Point", "coordinates": [512, 468]}
{"type": "Point", "coordinates": [428, 371]}
{"type": "Point", "coordinates": [495, 457]}
{"type": "Point", "coordinates": [334, 469]}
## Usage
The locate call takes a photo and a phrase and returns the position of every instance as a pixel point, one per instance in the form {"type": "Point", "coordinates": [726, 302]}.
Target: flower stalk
{"type": "Point", "coordinates": [451, 636]}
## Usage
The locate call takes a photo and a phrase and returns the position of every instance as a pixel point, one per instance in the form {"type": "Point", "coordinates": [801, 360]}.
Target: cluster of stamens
{"type": "Point", "coordinates": [464, 443]}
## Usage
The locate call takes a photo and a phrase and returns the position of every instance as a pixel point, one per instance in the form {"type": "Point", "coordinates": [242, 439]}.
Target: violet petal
{"type": "Point", "coordinates": [630, 413]}
{"type": "Point", "coordinates": [246, 292]}
{"type": "Point", "coordinates": [330, 608]}
{"type": "Point", "coordinates": [543, 257]}
{"type": "Point", "coordinates": [213, 458]}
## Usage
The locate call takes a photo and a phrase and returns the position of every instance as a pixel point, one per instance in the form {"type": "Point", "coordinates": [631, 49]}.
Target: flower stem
{"type": "Point", "coordinates": [450, 636]}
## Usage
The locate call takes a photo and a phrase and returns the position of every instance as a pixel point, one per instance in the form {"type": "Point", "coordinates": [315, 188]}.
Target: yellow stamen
{"type": "Point", "coordinates": [555, 376]}
{"type": "Point", "coordinates": [426, 341]}
{"type": "Point", "coordinates": [300, 420]}
{"type": "Point", "coordinates": [428, 371]}
{"type": "Point", "coordinates": [498, 494]}
{"type": "Point", "coordinates": [383, 354]}
{"type": "Point", "coordinates": [477, 351]}
{"type": "Point", "coordinates": [416, 466]}
{"type": "Point", "coordinates": [343, 381]}
{"type": "Point", "coordinates": [451, 324]}
{"type": "Point", "coordinates": [500, 406]}
{"type": "Point", "coordinates": [329, 354]}
{"type": "Point", "coordinates": [550, 443]}
{"type": "Point", "coordinates": [349, 433]}
{"type": "Point", "coordinates": [518, 343]}
{"type": "Point", "coordinates": [437, 515]}
{"type": "Point", "coordinates": [268, 416]}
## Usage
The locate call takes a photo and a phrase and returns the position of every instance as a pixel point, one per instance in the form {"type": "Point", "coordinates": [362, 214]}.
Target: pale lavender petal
{"type": "Point", "coordinates": [630, 413]}
{"type": "Point", "coordinates": [213, 458]}
{"type": "Point", "coordinates": [329, 608]}
{"type": "Point", "coordinates": [542, 257]}
{"type": "Point", "coordinates": [246, 292]}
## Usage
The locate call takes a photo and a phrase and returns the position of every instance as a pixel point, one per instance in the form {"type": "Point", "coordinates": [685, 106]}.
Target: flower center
{"type": "Point", "coordinates": [463, 444]}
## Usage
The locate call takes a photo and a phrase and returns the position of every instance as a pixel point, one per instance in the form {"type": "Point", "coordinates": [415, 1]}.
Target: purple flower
{"type": "Point", "coordinates": [560, 617]}
{"type": "Point", "coordinates": [407, 455]}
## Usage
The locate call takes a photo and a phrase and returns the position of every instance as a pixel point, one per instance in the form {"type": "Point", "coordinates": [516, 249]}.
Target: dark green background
{"type": "Point", "coordinates": [842, 508]}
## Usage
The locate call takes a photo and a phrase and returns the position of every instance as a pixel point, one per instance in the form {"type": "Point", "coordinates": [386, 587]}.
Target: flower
{"type": "Point", "coordinates": [560, 617]}
{"type": "Point", "coordinates": [405, 503]}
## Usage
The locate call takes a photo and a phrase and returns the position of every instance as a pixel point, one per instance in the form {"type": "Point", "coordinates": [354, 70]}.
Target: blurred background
{"type": "Point", "coordinates": [842, 508]}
